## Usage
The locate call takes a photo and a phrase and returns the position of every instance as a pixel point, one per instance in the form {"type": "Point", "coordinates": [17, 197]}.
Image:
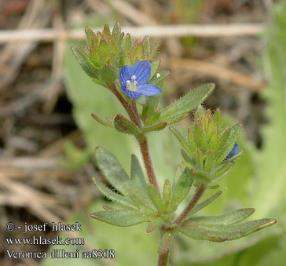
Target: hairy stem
{"type": "Point", "coordinates": [164, 250]}
{"type": "Point", "coordinates": [144, 148]}
{"type": "Point", "coordinates": [127, 106]}
{"type": "Point", "coordinates": [164, 258]}
{"type": "Point", "coordinates": [131, 109]}
{"type": "Point", "coordinates": [199, 192]}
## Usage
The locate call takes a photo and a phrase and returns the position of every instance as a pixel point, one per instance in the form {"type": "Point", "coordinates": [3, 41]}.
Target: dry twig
{"type": "Point", "coordinates": [203, 31]}
{"type": "Point", "coordinates": [216, 71]}
{"type": "Point", "coordinates": [12, 55]}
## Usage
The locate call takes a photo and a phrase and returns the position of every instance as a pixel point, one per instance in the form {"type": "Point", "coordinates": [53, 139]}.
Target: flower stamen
{"type": "Point", "coordinates": [131, 85]}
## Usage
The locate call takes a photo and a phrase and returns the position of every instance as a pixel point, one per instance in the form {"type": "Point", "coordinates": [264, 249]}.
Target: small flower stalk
{"type": "Point", "coordinates": [128, 69]}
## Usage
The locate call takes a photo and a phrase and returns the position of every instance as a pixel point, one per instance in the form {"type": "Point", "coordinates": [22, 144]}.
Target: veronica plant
{"type": "Point", "coordinates": [127, 68]}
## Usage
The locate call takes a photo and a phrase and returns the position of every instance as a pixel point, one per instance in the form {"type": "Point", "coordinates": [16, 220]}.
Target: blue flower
{"type": "Point", "coordinates": [134, 80]}
{"type": "Point", "coordinates": [233, 152]}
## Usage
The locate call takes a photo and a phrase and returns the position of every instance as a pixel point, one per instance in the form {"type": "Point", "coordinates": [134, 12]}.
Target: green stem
{"type": "Point", "coordinates": [199, 192]}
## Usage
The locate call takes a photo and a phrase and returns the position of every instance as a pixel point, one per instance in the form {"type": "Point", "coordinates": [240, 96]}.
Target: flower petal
{"type": "Point", "coordinates": [130, 94]}
{"type": "Point", "coordinates": [233, 152]}
{"type": "Point", "coordinates": [124, 75]}
{"type": "Point", "coordinates": [148, 89]}
{"type": "Point", "coordinates": [142, 71]}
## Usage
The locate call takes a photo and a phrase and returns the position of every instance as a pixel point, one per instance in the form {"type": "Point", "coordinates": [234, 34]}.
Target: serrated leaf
{"type": "Point", "coordinates": [225, 219]}
{"type": "Point", "coordinates": [180, 108]}
{"type": "Point", "coordinates": [103, 236]}
{"type": "Point", "coordinates": [182, 188]}
{"type": "Point", "coordinates": [136, 171]}
{"type": "Point", "coordinates": [167, 193]}
{"type": "Point", "coordinates": [90, 37]}
{"type": "Point", "coordinates": [113, 195]}
{"type": "Point", "coordinates": [108, 74]}
{"type": "Point", "coordinates": [220, 233]}
{"type": "Point", "coordinates": [139, 197]}
{"type": "Point", "coordinates": [111, 168]}
{"type": "Point", "coordinates": [124, 125]}
{"type": "Point", "coordinates": [137, 186]}
{"type": "Point", "coordinates": [120, 217]}
{"type": "Point", "coordinates": [85, 62]}
{"type": "Point", "coordinates": [155, 196]}
{"type": "Point", "coordinates": [116, 31]}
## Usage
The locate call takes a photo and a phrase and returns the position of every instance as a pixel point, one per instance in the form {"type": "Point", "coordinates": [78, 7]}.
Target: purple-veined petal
{"type": "Point", "coordinates": [142, 71]}
{"type": "Point", "coordinates": [124, 75]}
{"type": "Point", "coordinates": [148, 89]}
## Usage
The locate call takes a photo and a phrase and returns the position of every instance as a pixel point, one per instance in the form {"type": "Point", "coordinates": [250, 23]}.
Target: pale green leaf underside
{"type": "Point", "coordinates": [120, 217]}
{"type": "Point", "coordinates": [225, 219]}
{"type": "Point", "coordinates": [136, 171]}
{"type": "Point", "coordinates": [220, 233]}
{"type": "Point", "coordinates": [182, 188]}
{"type": "Point", "coordinates": [112, 195]}
{"type": "Point", "coordinates": [111, 168]}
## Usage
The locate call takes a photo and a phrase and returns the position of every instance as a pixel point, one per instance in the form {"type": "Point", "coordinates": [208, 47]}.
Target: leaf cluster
{"type": "Point", "coordinates": [107, 51]}
{"type": "Point", "coordinates": [155, 118]}
{"type": "Point", "coordinates": [208, 142]}
{"type": "Point", "coordinates": [137, 202]}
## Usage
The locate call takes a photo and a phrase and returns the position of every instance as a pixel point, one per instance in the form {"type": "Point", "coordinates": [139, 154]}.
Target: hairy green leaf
{"type": "Point", "coordinates": [155, 196]}
{"type": "Point", "coordinates": [220, 233]}
{"type": "Point", "coordinates": [167, 193]}
{"type": "Point", "coordinates": [180, 108]}
{"type": "Point", "coordinates": [124, 125]}
{"type": "Point", "coordinates": [120, 217]}
{"type": "Point", "coordinates": [136, 171]}
{"type": "Point", "coordinates": [182, 188]}
{"type": "Point", "coordinates": [85, 62]}
{"type": "Point", "coordinates": [225, 219]}
{"type": "Point", "coordinates": [112, 195]}
{"type": "Point", "coordinates": [111, 168]}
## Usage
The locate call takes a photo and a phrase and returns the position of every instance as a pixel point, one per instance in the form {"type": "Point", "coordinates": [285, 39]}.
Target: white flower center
{"type": "Point", "coordinates": [131, 84]}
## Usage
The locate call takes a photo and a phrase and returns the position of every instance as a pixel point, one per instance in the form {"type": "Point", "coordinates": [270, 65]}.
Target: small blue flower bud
{"type": "Point", "coordinates": [233, 152]}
